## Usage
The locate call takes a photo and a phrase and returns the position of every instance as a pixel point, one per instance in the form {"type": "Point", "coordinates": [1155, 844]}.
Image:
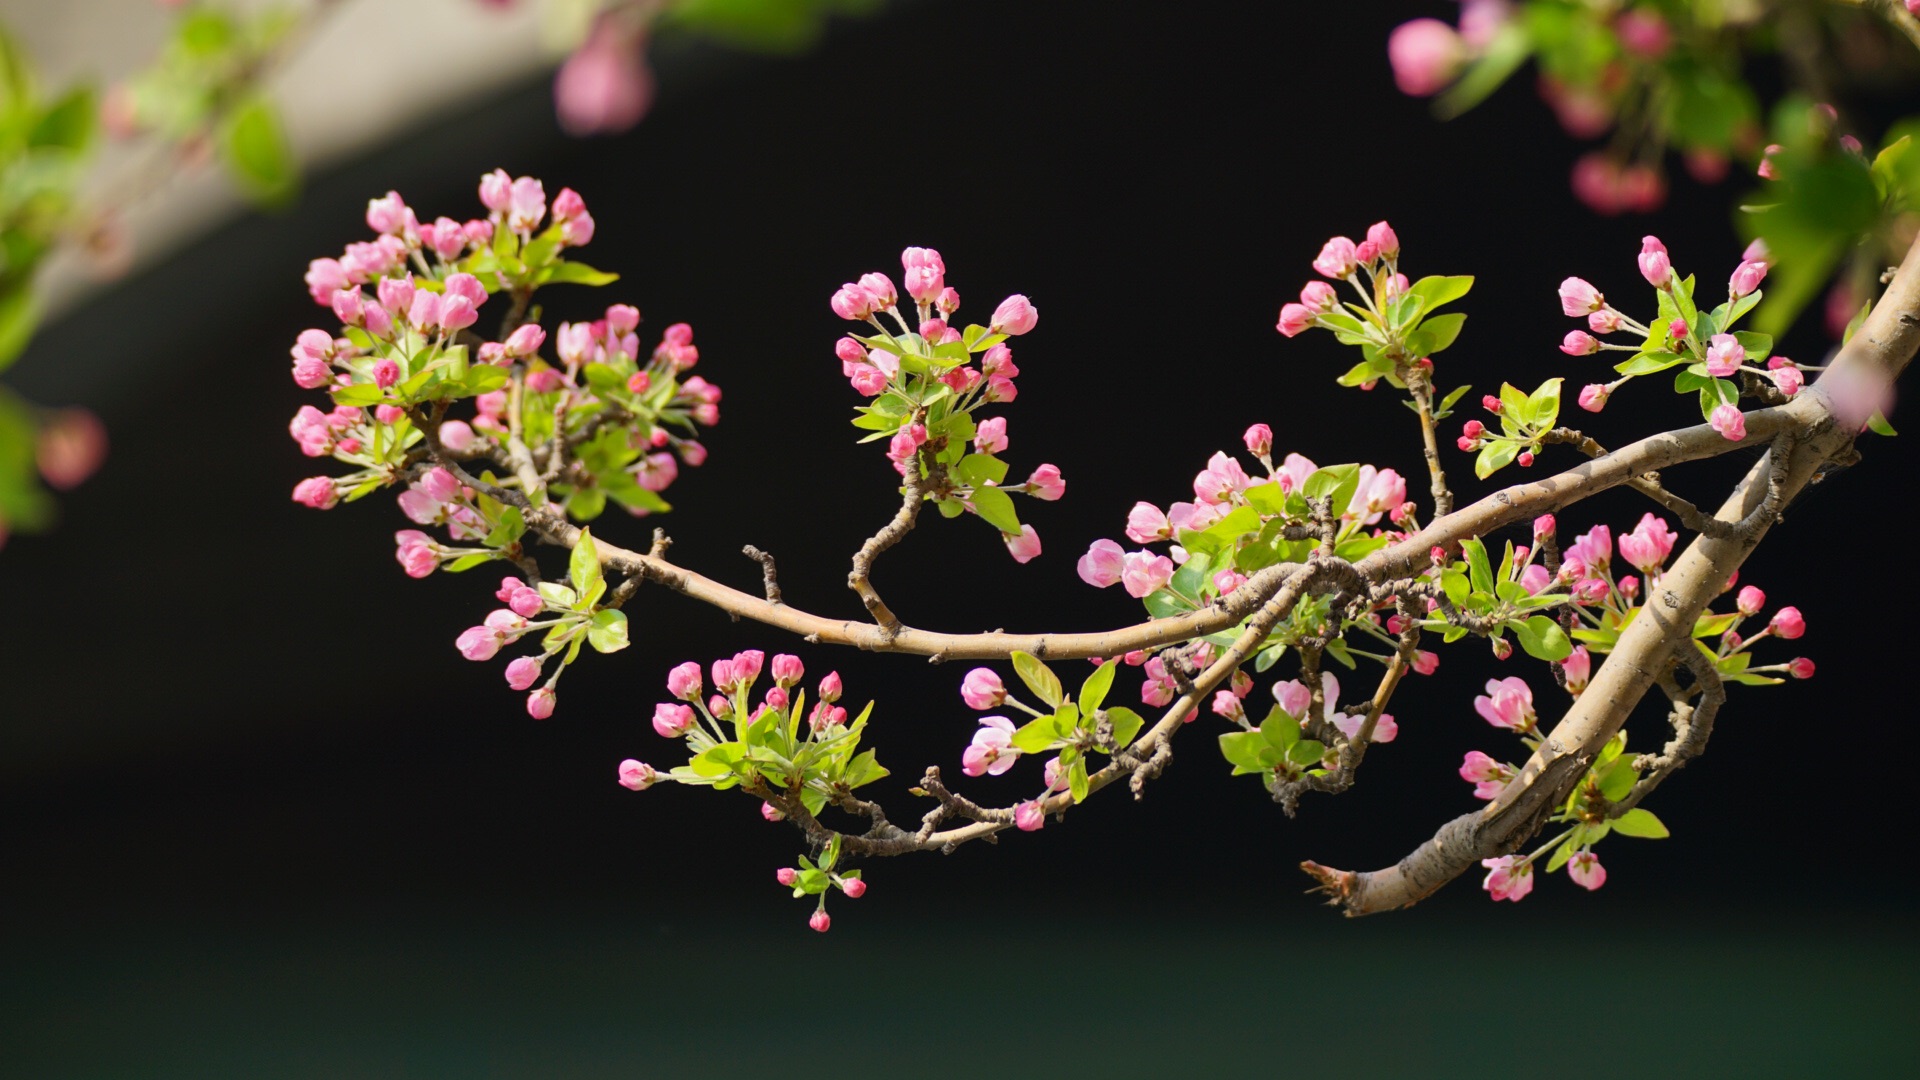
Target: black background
{"type": "Point", "coordinates": [260, 818]}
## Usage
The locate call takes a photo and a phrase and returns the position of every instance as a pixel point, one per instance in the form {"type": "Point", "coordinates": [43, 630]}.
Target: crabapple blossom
{"type": "Point", "coordinates": [1585, 870]}
{"type": "Point", "coordinates": [1579, 343]}
{"type": "Point", "coordinates": [540, 703]}
{"type": "Point", "coordinates": [1800, 667]}
{"type": "Point", "coordinates": [992, 749]}
{"type": "Point", "coordinates": [982, 689]}
{"type": "Point", "coordinates": [991, 435]}
{"type": "Point", "coordinates": [1015, 315]}
{"type": "Point", "coordinates": [1729, 421]}
{"type": "Point", "coordinates": [1029, 816]}
{"type": "Point", "coordinates": [1578, 298]}
{"type": "Point", "coordinates": [1259, 440]}
{"type": "Point", "coordinates": [820, 921]}
{"type": "Point", "coordinates": [1593, 397]}
{"type": "Point", "coordinates": [1509, 878]}
{"type": "Point", "coordinates": [1047, 483]}
{"type": "Point", "coordinates": [1649, 544]}
{"type": "Point", "coordinates": [1147, 523]}
{"type": "Point", "coordinates": [1787, 623]}
{"type": "Point", "coordinates": [1425, 54]}
{"type": "Point", "coordinates": [1337, 259]}
{"type": "Point", "coordinates": [1654, 265]}
{"type": "Point", "coordinates": [1578, 668]}
{"type": "Point", "coordinates": [1508, 703]}
{"type": "Point", "coordinates": [1144, 573]}
{"type": "Point", "coordinates": [1101, 566]}
{"type": "Point", "coordinates": [636, 775]}
{"type": "Point", "coordinates": [1488, 777]}
{"type": "Point", "coordinates": [1024, 547]}
{"type": "Point", "coordinates": [1724, 355]}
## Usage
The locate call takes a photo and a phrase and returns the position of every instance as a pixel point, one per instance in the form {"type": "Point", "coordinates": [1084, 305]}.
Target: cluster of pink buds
{"type": "Point", "coordinates": [919, 370]}
{"type": "Point", "coordinates": [1703, 343]}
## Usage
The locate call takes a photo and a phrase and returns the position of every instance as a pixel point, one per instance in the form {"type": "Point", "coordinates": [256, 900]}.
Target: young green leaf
{"type": "Point", "coordinates": [1039, 679]}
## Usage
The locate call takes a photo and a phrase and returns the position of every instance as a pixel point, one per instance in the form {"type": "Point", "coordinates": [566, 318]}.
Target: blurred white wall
{"type": "Point", "coordinates": [371, 69]}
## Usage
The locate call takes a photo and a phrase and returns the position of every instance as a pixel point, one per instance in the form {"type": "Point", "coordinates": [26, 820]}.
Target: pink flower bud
{"type": "Point", "coordinates": [1593, 397]}
{"type": "Point", "coordinates": [1424, 662]}
{"type": "Point", "coordinates": [1768, 170]}
{"type": "Point", "coordinates": [1730, 422]}
{"type": "Point", "coordinates": [683, 681]}
{"type": "Point", "coordinates": [1015, 315]}
{"type": "Point", "coordinates": [523, 672]}
{"type": "Point", "coordinates": [1025, 547]}
{"type": "Point", "coordinates": [1800, 667]}
{"type": "Point", "coordinates": [1502, 648]}
{"type": "Point", "coordinates": [1146, 523]}
{"type": "Point", "coordinates": [1259, 440]}
{"type": "Point", "coordinates": [479, 642]}
{"type": "Point", "coordinates": [316, 492]}
{"type": "Point", "coordinates": [457, 436]}
{"type": "Point", "coordinates": [1578, 297]}
{"type": "Point", "coordinates": [1047, 483]}
{"type": "Point", "coordinates": [525, 341]}
{"type": "Point", "coordinates": [1425, 54]}
{"type": "Point", "coordinates": [1788, 623]}
{"type": "Point", "coordinates": [526, 603]}
{"type": "Point", "coordinates": [830, 687]}
{"type": "Point", "coordinates": [672, 721]}
{"type": "Point", "coordinates": [496, 190]}
{"type": "Point", "coordinates": [820, 921]}
{"type": "Point", "coordinates": [853, 302]}
{"type": "Point", "coordinates": [1750, 600]}
{"type": "Point", "coordinates": [880, 287]}
{"type": "Point", "coordinates": [349, 306]}
{"type": "Point", "coordinates": [1318, 296]}
{"type": "Point", "coordinates": [1525, 460]}
{"type": "Point", "coordinates": [746, 666]}
{"type": "Point", "coordinates": [1579, 343]}
{"type": "Point", "coordinates": [385, 373]}
{"type": "Point", "coordinates": [982, 689]}
{"type": "Point", "coordinates": [771, 812]}
{"type": "Point", "coordinates": [1337, 258]}
{"type": "Point", "coordinates": [1508, 879]}
{"type": "Point", "coordinates": [854, 887]}
{"type": "Point", "coordinates": [1604, 321]}
{"type": "Point", "coordinates": [991, 436]}
{"type": "Point", "coordinates": [1384, 240]}
{"type": "Point", "coordinates": [1029, 816]}
{"type": "Point", "coordinates": [1787, 379]}
{"type": "Point", "coordinates": [635, 775]}
{"type": "Point", "coordinates": [1746, 278]}
{"type": "Point", "coordinates": [786, 875]}
{"type": "Point", "coordinates": [387, 214]}
{"type": "Point", "coordinates": [1654, 265]}
{"type": "Point", "coordinates": [1227, 579]}
{"type": "Point", "coordinates": [526, 203]}
{"type": "Point", "coordinates": [720, 706]}
{"type": "Point", "coordinates": [1577, 667]}
{"type": "Point", "coordinates": [1294, 319]}
{"type": "Point", "coordinates": [787, 669]}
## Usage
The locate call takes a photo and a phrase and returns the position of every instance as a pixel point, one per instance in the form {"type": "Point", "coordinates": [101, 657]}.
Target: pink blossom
{"type": "Point", "coordinates": [830, 687]}
{"type": "Point", "coordinates": [1510, 878]}
{"type": "Point", "coordinates": [1425, 54]}
{"type": "Point", "coordinates": [1100, 567]}
{"type": "Point", "coordinates": [1146, 523]}
{"type": "Point", "coordinates": [991, 436]}
{"type": "Point", "coordinates": [1293, 697]}
{"type": "Point", "coordinates": [1730, 422]}
{"type": "Point", "coordinates": [526, 603]}
{"type": "Point", "coordinates": [414, 551]}
{"type": "Point", "coordinates": [1644, 33]}
{"type": "Point", "coordinates": [457, 436]}
{"type": "Point", "coordinates": [1159, 687]}
{"type": "Point", "coordinates": [880, 287]}
{"type": "Point", "coordinates": [1579, 343]}
{"type": "Point", "coordinates": [540, 703]}
{"type": "Point", "coordinates": [523, 672]}
{"type": "Point", "coordinates": [1585, 870]}
{"type": "Point", "coordinates": [1221, 480]}
{"type": "Point", "coordinates": [820, 921]}
{"type": "Point", "coordinates": [1593, 550]}
{"type": "Point", "coordinates": [1293, 473]}
{"type": "Point", "coordinates": [982, 689]}
{"type": "Point", "coordinates": [1144, 573]}
{"type": "Point", "coordinates": [1047, 483]}
{"type": "Point", "coordinates": [672, 721]}
{"type": "Point", "coordinates": [1578, 668]}
{"type": "Point", "coordinates": [1336, 259]}
{"type": "Point", "coordinates": [1508, 703]}
{"type": "Point", "coordinates": [853, 302]}
{"type": "Point", "coordinates": [1227, 579]}
{"type": "Point", "coordinates": [1379, 493]}
{"type": "Point", "coordinates": [317, 492]}
{"type": "Point", "coordinates": [636, 775]}
{"type": "Point", "coordinates": [1025, 547]}
{"type": "Point", "coordinates": [325, 277]}
{"type": "Point", "coordinates": [1649, 544]}
{"type": "Point", "coordinates": [1294, 320]}
{"type": "Point", "coordinates": [1318, 296]}
{"type": "Point", "coordinates": [479, 642]}
{"type": "Point", "coordinates": [1604, 321]}
{"type": "Point", "coordinates": [1578, 297]}
{"type": "Point", "coordinates": [1535, 578]}
{"type": "Point", "coordinates": [1724, 355]}
{"type": "Point", "coordinates": [1788, 623]}
{"type": "Point", "coordinates": [1768, 170]}
{"type": "Point", "coordinates": [1787, 378]}
{"type": "Point", "coordinates": [1384, 240]}
{"type": "Point", "coordinates": [1029, 816]}
{"type": "Point", "coordinates": [854, 887]}
{"type": "Point", "coordinates": [1746, 278]}
{"type": "Point", "coordinates": [1800, 667]}
{"type": "Point", "coordinates": [1259, 440]}
{"type": "Point", "coordinates": [1593, 397]}
{"type": "Point", "coordinates": [1751, 600]}
{"type": "Point", "coordinates": [1015, 315]}
{"type": "Point", "coordinates": [992, 748]}
{"type": "Point", "coordinates": [1424, 662]}
{"type": "Point", "coordinates": [1654, 265]}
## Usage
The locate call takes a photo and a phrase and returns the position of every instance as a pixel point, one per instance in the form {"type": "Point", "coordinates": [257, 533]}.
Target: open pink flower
{"type": "Point", "coordinates": [1729, 421]}
{"type": "Point", "coordinates": [1578, 667]}
{"type": "Point", "coordinates": [1649, 544]}
{"type": "Point", "coordinates": [1585, 870]}
{"type": "Point", "coordinates": [1509, 879]}
{"type": "Point", "coordinates": [1143, 573]}
{"type": "Point", "coordinates": [1508, 703]}
{"type": "Point", "coordinates": [1102, 565]}
{"type": "Point", "coordinates": [1724, 355]}
{"type": "Point", "coordinates": [1025, 547]}
{"type": "Point", "coordinates": [1487, 775]}
{"type": "Point", "coordinates": [1147, 523]}
{"type": "Point", "coordinates": [992, 748]}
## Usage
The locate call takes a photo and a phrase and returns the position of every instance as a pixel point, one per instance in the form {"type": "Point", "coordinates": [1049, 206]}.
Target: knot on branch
{"type": "Point", "coordinates": [769, 576]}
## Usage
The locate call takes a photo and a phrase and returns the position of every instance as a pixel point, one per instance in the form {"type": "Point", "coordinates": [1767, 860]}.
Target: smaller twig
{"type": "Point", "coordinates": [769, 576]}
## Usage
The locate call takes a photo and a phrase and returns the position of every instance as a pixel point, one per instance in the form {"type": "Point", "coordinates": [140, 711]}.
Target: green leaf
{"type": "Point", "coordinates": [359, 395]}
{"type": "Point", "coordinates": [982, 469]}
{"type": "Point", "coordinates": [467, 562]}
{"type": "Point", "coordinates": [1542, 638]}
{"type": "Point", "coordinates": [1247, 751]}
{"type": "Point", "coordinates": [1126, 724]}
{"type": "Point", "coordinates": [1879, 426]}
{"type": "Point", "coordinates": [1077, 779]}
{"type": "Point", "coordinates": [1436, 290]}
{"type": "Point", "coordinates": [1478, 565]}
{"type": "Point", "coordinates": [1560, 855]}
{"type": "Point", "coordinates": [1452, 399]}
{"type": "Point", "coordinates": [1436, 334]}
{"type": "Point", "coordinates": [1619, 779]}
{"type": "Point", "coordinates": [68, 124]}
{"type": "Point", "coordinates": [1358, 375]}
{"type": "Point", "coordinates": [574, 273]}
{"type": "Point", "coordinates": [1094, 690]}
{"type": "Point", "coordinates": [1307, 752]}
{"type": "Point", "coordinates": [19, 315]}
{"type": "Point", "coordinates": [1648, 363]}
{"type": "Point", "coordinates": [1039, 679]}
{"type": "Point", "coordinates": [257, 152]}
{"type": "Point", "coordinates": [1640, 823]}
{"type": "Point", "coordinates": [1543, 405]}
{"type": "Point", "coordinates": [1495, 456]}
{"type": "Point", "coordinates": [1758, 346]}
{"type": "Point", "coordinates": [512, 526]}
{"type": "Point", "coordinates": [1036, 736]}
{"type": "Point", "coordinates": [996, 508]}
{"type": "Point", "coordinates": [607, 632]}
{"type": "Point", "coordinates": [583, 566]}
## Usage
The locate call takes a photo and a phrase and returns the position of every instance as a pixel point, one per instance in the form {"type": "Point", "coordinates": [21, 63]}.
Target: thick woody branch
{"type": "Point", "coordinates": [1879, 351]}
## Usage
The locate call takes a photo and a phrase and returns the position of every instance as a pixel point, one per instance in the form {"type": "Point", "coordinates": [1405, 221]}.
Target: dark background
{"type": "Point", "coordinates": [258, 818]}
